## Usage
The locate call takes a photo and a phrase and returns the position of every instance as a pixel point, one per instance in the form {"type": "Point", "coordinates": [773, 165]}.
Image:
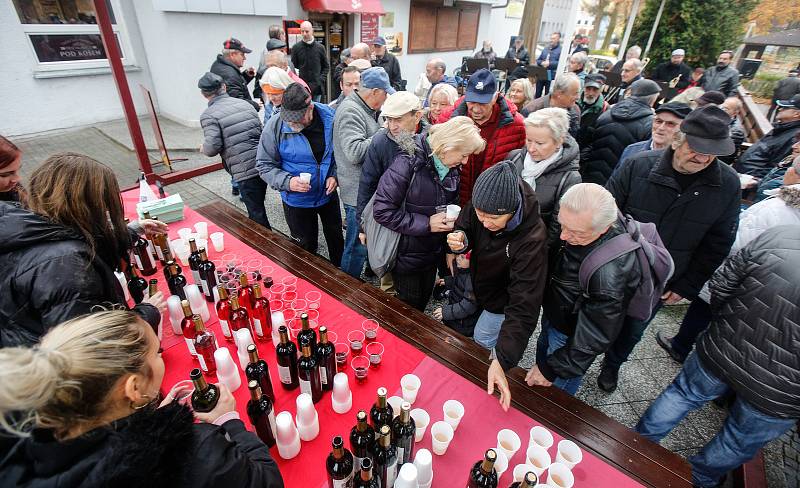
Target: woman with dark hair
{"type": "Point", "coordinates": [10, 163]}
{"type": "Point", "coordinates": [59, 254]}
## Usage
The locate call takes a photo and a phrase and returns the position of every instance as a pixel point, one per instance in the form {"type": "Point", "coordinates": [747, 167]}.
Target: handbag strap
{"type": "Point", "coordinates": [408, 190]}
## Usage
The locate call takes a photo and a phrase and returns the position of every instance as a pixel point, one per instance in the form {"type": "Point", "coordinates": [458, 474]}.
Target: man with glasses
{"type": "Point", "coordinates": [666, 124]}
{"type": "Point", "coordinates": [630, 74]}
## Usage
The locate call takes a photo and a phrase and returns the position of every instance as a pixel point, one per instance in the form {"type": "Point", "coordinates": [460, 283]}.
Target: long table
{"type": "Point", "coordinates": [450, 366]}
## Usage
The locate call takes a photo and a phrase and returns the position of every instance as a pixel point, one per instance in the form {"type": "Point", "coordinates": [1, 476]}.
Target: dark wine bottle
{"type": "Point", "coordinates": [306, 332]}
{"type": "Point", "coordinates": [262, 316]}
{"type": "Point", "coordinates": [381, 412]}
{"type": "Point", "coordinates": [223, 307]}
{"type": "Point", "coordinates": [152, 288]}
{"type": "Point", "coordinates": [326, 359]}
{"type": "Point", "coordinates": [339, 465]}
{"type": "Point", "coordinates": [362, 438]}
{"type": "Point", "coordinates": [187, 327]}
{"type": "Point", "coordinates": [483, 474]}
{"type": "Point", "coordinates": [246, 294]}
{"type": "Point", "coordinates": [239, 319]}
{"type": "Point", "coordinates": [142, 257]}
{"type": "Point", "coordinates": [261, 414]}
{"type": "Point", "coordinates": [194, 262]}
{"type": "Point", "coordinates": [403, 430]}
{"type": "Point", "coordinates": [384, 458]}
{"type": "Point", "coordinates": [308, 373]}
{"type": "Point", "coordinates": [528, 481]}
{"type": "Point", "coordinates": [205, 395]}
{"type": "Point", "coordinates": [204, 345]}
{"type": "Point", "coordinates": [364, 478]}
{"type": "Point", "coordinates": [208, 277]}
{"type": "Point", "coordinates": [176, 281]}
{"type": "Point", "coordinates": [136, 286]}
{"type": "Point", "coordinates": [286, 352]}
{"type": "Point", "coordinates": [258, 370]}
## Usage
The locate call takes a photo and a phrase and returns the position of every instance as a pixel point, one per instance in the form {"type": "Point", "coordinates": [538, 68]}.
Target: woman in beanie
{"type": "Point", "coordinates": [502, 227]}
{"type": "Point", "coordinates": [422, 177]}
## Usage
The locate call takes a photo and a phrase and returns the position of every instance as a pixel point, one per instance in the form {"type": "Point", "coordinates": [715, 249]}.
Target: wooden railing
{"type": "Point", "coordinates": [755, 123]}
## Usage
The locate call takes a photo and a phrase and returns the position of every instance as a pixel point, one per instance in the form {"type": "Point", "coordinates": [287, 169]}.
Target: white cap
{"type": "Point", "coordinates": [679, 52]}
{"type": "Point", "coordinates": [361, 64]}
{"type": "Point", "coordinates": [276, 78]}
{"type": "Point", "coordinates": [400, 103]}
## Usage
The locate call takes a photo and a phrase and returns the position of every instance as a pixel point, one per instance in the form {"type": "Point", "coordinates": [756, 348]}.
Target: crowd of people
{"type": "Point", "coordinates": [546, 175]}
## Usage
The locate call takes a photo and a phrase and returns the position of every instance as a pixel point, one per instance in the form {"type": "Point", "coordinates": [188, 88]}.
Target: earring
{"type": "Point", "coordinates": [139, 407]}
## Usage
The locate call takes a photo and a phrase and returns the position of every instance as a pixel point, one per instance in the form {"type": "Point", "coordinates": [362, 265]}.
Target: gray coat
{"type": "Point", "coordinates": [353, 127]}
{"type": "Point", "coordinates": [232, 129]}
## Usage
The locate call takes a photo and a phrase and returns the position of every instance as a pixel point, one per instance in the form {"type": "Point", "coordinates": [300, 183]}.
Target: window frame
{"type": "Point", "coordinates": [459, 8]}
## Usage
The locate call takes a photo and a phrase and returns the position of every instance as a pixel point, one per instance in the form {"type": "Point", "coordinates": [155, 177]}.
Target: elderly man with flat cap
{"type": "Point", "coordinates": [693, 199]}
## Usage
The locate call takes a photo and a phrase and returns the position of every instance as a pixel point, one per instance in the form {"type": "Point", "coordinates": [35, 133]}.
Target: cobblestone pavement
{"type": "Point", "coordinates": [648, 372]}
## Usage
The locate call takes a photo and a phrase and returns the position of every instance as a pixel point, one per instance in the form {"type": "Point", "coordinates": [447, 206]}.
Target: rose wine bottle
{"type": "Point", "coordinates": [306, 332]}
{"type": "Point", "coordinates": [262, 316]}
{"type": "Point", "coordinates": [204, 344]}
{"type": "Point", "coordinates": [245, 294]}
{"type": "Point", "coordinates": [194, 262]}
{"type": "Point", "coordinates": [223, 308]}
{"type": "Point", "coordinates": [142, 257]}
{"type": "Point", "coordinates": [483, 474]}
{"type": "Point", "coordinates": [384, 458]}
{"type": "Point", "coordinates": [258, 370]}
{"type": "Point", "coordinates": [187, 327]}
{"type": "Point", "coordinates": [339, 465]}
{"type": "Point", "coordinates": [208, 277]}
{"type": "Point", "coordinates": [238, 315]}
{"type": "Point", "coordinates": [403, 430]}
{"type": "Point", "coordinates": [205, 396]}
{"type": "Point", "coordinates": [325, 353]}
{"type": "Point", "coordinates": [287, 360]}
{"type": "Point", "coordinates": [528, 481]}
{"type": "Point", "coordinates": [308, 372]}
{"type": "Point", "coordinates": [381, 412]}
{"type": "Point", "coordinates": [136, 285]}
{"type": "Point", "coordinates": [175, 281]}
{"type": "Point", "coordinates": [362, 438]}
{"type": "Point", "coordinates": [261, 414]}
{"type": "Point", "coordinates": [364, 478]}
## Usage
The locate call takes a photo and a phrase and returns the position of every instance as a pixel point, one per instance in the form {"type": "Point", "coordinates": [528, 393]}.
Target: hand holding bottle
{"type": "Point", "coordinates": [157, 301]}
{"type": "Point", "coordinates": [152, 227]}
{"type": "Point", "coordinates": [225, 404]}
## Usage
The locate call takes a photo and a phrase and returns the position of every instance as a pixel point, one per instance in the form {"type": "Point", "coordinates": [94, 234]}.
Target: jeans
{"type": "Point", "coordinates": [745, 431]}
{"type": "Point", "coordinates": [305, 230]}
{"type": "Point", "coordinates": [550, 340]}
{"type": "Point", "coordinates": [355, 253]}
{"type": "Point", "coordinates": [415, 288]}
{"type": "Point", "coordinates": [252, 193]}
{"type": "Point", "coordinates": [234, 185]}
{"type": "Point", "coordinates": [629, 336]}
{"type": "Point", "coordinates": [696, 320]}
{"type": "Point", "coordinates": [487, 329]}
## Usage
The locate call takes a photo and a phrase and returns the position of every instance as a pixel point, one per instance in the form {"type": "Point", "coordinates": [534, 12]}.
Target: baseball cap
{"type": "Point", "coordinates": [294, 108]}
{"type": "Point", "coordinates": [233, 43]}
{"type": "Point", "coordinates": [210, 82]}
{"type": "Point", "coordinates": [379, 41]}
{"type": "Point", "coordinates": [678, 52]}
{"type": "Point", "coordinates": [678, 109]}
{"type": "Point", "coordinates": [376, 77]}
{"type": "Point", "coordinates": [644, 88]}
{"type": "Point", "coordinates": [594, 80]}
{"type": "Point", "coordinates": [707, 131]}
{"type": "Point", "coordinates": [399, 104]}
{"type": "Point", "coordinates": [481, 87]}
{"type": "Point", "coordinates": [793, 102]}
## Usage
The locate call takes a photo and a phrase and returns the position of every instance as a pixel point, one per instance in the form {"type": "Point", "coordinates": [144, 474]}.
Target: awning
{"type": "Point", "coordinates": [343, 6]}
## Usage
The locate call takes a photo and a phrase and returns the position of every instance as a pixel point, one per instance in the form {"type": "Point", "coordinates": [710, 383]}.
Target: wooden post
{"type": "Point", "coordinates": [530, 25]}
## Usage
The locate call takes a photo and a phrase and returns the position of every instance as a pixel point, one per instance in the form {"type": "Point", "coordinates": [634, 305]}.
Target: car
{"type": "Point", "coordinates": [602, 63]}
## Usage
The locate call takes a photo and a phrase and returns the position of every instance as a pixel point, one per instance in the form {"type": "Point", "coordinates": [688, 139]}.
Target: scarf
{"type": "Point", "coordinates": [441, 169]}
{"type": "Point", "coordinates": [533, 169]}
{"type": "Point", "coordinates": [596, 107]}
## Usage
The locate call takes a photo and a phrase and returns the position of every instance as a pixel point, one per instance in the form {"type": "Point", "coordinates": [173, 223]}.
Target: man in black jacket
{"type": "Point", "coordinates": [750, 348]}
{"type": "Point", "coordinates": [388, 62]}
{"type": "Point", "coordinates": [572, 337]}
{"type": "Point", "coordinates": [693, 199]}
{"type": "Point", "coordinates": [311, 61]}
{"type": "Point", "coordinates": [765, 154]}
{"type": "Point", "coordinates": [672, 69]}
{"type": "Point", "coordinates": [228, 65]}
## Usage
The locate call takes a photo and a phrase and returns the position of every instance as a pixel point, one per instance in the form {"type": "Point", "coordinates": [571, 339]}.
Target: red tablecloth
{"type": "Point", "coordinates": [477, 431]}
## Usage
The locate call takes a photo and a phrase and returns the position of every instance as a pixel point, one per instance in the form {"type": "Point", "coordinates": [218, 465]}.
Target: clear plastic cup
{"type": "Point", "coordinates": [276, 305]}
{"type": "Point", "coordinates": [375, 354]}
{"type": "Point", "coordinates": [300, 305]}
{"type": "Point", "coordinates": [313, 298]}
{"type": "Point", "coordinates": [253, 268]}
{"type": "Point", "coordinates": [289, 281]}
{"type": "Point", "coordinates": [342, 351]}
{"type": "Point", "coordinates": [356, 340]}
{"type": "Point", "coordinates": [360, 365]}
{"type": "Point", "coordinates": [370, 328]}
{"type": "Point", "coordinates": [289, 296]}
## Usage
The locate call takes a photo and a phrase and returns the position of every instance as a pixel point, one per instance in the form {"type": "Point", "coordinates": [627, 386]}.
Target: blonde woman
{"type": "Point", "coordinates": [422, 179]}
{"type": "Point", "coordinates": [440, 100]}
{"type": "Point", "coordinates": [85, 400]}
{"type": "Point", "coordinates": [521, 92]}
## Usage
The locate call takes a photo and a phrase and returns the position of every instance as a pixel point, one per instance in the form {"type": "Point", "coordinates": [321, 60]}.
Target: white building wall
{"type": "Point", "coordinates": [554, 18]}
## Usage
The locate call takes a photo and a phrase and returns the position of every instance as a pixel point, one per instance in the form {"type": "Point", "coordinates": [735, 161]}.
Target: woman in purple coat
{"type": "Point", "coordinates": [422, 178]}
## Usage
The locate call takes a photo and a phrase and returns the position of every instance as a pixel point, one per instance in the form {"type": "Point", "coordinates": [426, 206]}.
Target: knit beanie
{"type": "Point", "coordinates": [496, 190]}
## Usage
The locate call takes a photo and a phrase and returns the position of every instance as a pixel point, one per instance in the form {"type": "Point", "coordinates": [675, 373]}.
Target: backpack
{"type": "Point", "coordinates": [654, 260]}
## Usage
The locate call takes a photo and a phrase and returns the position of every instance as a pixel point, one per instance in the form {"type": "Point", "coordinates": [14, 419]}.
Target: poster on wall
{"type": "Point", "coordinates": [514, 9]}
{"type": "Point", "coordinates": [394, 43]}
{"type": "Point", "coordinates": [369, 27]}
{"type": "Point", "coordinates": [387, 20]}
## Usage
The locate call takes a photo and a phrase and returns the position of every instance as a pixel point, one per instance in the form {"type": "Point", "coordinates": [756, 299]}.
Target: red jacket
{"type": "Point", "coordinates": [503, 132]}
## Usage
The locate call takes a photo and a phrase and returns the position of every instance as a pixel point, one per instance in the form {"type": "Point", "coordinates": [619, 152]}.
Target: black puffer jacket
{"type": "Point", "coordinates": [561, 175]}
{"type": "Point", "coordinates": [765, 154]}
{"type": "Point", "coordinates": [232, 129]}
{"type": "Point", "coordinates": [153, 447]}
{"type": "Point", "coordinates": [601, 311]}
{"type": "Point", "coordinates": [698, 225]}
{"type": "Point", "coordinates": [623, 124]}
{"type": "Point", "coordinates": [312, 65]}
{"type": "Point", "coordinates": [751, 343]}
{"type": "Point", "coordinates": [235, 79]}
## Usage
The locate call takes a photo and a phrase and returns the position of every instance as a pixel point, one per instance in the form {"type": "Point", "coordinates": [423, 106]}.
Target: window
{"type": "Point", "coordinates": [434, 28]}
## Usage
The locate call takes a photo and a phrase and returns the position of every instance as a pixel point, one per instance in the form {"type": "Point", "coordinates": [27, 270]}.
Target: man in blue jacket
{"type": "Point", "coordinates": [295, 157]}
{"type": "Point", "coordinates": [549, 59]}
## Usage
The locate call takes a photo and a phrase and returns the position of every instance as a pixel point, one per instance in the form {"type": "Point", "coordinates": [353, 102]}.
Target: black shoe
{"type": "Point", "coordinates": [666, 344]}
{"type": "Point", "coordinates": [368, 272]}
{"type": "Point", "coordinates": [607, 381]}
{"type": "Point", "coordinates": [439, 292]}
{"type": "Point", "coordinates": [235, 192]}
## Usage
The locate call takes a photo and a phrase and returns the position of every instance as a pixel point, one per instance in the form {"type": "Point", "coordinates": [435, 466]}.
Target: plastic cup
{"type": "Point", "coordinates": [424, 463]}
{"type": "Point", "coordinates": [501, 463]}
{"type": "Point", "coordinates": [568, 454]}
{"type": "Point", "coordinates": [375, 354]}
{"type": "Point", "coordinates": [541, 436]}
{"type": "Point", "coordinates": [286, 436]}
{"type": "Point", "coordinates": [175, 313]}
{"type": "Point", "coordinates": [421, 421]}
{"type": "Point", "coordinates": [342, 351]}
{"type": "Point", "coordinates": [276, 290]}
{"type": "Point", "coordinates": [520, 470]}
{"type": "Point", "coordinates": [289, 281]}
{"type": "Point", "coordinates": [300, 305]}
{"type": "Point", "coordinates": [289, 296]}
{"type": "Point", "coordinates": [410, 385]}
{"type": "Point", "coordinates": [452, 211]}
{"type": "Point", "coordinates": [202, 230]}
{"type": "Point", "coordinates": [559, 476]}
{"type": "Point", "coordinates": [253, 268]}
{"type": "Point", "coordinates": [538, 457]}
{"type": "Point", "coordinates": [508, 441]}
{"type": "Point", "coordinates": [313, 298]}
{"type": "Point", "coordinates": [276, 305]}
{"type": "Point", "coordinates": [360, 366]}
{"type": "Point", "coordinates": [370, 328]}
{"type": "Point", "coordinates": [218, 241]}
{"type": "Point", "coordinates": [407, 477]}
{"type": "Point", "coordinates": [313, 316]}
{"type": "Point", "coordinates": [442, 433]}
{"type": "Point", "coordinates": [184, 233]}
{"type": "Point", "coordinates": [305, 178]}
{"type": "Point", "coordinates": [356, 340]}
{"type": "Point", "coordinates": [182, 391]}
{"type": "Point", "coordinates": [307, 418]}
{"type": "Point", "coordinates": [395, 401]}
{"type": "Point", "coordinates": [453, 413]}
{"type": "Point", "coordinates": [341, 397]}
{"type": "Point", "coordinates": [227, 373]}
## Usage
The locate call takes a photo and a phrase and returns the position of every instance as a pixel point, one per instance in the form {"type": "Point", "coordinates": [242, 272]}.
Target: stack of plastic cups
{"type": "Point", "coordinates": [277, 321]}
{"type": "Point", "coordinates": [243, 339]}
{"type": "Point", "coordinates": [341, 397]}
{"type": "Point", "coordinates": [423, 461]}
{"type": "Point", "coordinates": [227, 374]}
{"type": "Point", "coordinates": [287, 438]}
{"type": "Point", "coordinates": [307, 418]}
{"type": "Point", "coordinates": [197, 301]}
{"type": "Point", "coordinates": [175, 313]}
{"type": "Point", "coordinates": [501, 463]}
{"type": "Point", "coordinates": [395, 402]}
{"type": "Point", "coordinates": [408, 477]}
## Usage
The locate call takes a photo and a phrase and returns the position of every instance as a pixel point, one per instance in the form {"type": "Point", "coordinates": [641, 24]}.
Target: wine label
{"type": "Point", "coordinates": [305, 386]}
{"type": "Point", "coordinates": [357, 460]}
{"type": "Point", "coordinates": [138, 262]}
{"type": "Point", "coordinates": [206, 290]}
{"type": "Point", "coordinates": [272, 423]}
{"type": "Point", "coordinates": [345, 483]}
{"type": "Point", "coordinates": [202, 361]}
{"type": "Point", "coordinates": [159, 253]}
{"type": "Point", "coordinates": [257, 325]}
{"type": "Point", "coordinates": [196, 277]}
{"type": "Point", "coordinates": [323, 375]}
{"type": "Point", "coordinates": [391, 473]}
{"type": "Point", "coordinates": [400, 453]}
{"type": "Point", "coordinates": [285, 374]}
{"type": "Point", "coordinates": [190, 345]}
{"type": "Point", "coordinates": [226, 329]}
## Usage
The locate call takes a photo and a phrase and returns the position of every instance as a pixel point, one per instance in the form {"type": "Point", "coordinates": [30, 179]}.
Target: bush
{"type": "Point", "coordinates": [761, 86]}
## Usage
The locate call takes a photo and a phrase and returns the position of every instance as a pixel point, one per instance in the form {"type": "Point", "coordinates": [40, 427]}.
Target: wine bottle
{"type": "Point", "coordinates": [306, 332]}
{"type": "Point", "coordinates": [194, 262]}
{"type": "Point", "coordinates": [142, 257]}
{"type": "Point", "coordinates": [483, 474]}
{"type": "Point", "coordinates": [223, 307]}
{"type": "Point", "coordinates": [384, 458]}
{"type": "Point", "coordinates": [528, 481]}
{"type": "Point", "coordinates": [308, 372]}
{"type": "Point", "coordinates": [171, 261]}
{"type": "Point", "coordinates": [339, 465]}
{"type": "Point", "coordinates": [204, 345]}
{"type": "Point", "coordinates": [381, 412]}
{"type": "Point", "coordinates": [205, 395]}
{"type": "Point", "coordinates": [136, 285]}
{"type": "Point", "coordinates": [261, 414]}
{"type": "Point", "coordinates": [403, 430]}
{"type": "Point", "coordinates": [238, 316]}
{"type": "Point", "coordinates": [158, 244]}
{"type": "Point", "coordinates": [286, 352]}
{"type": "Point", "coordinates": [152, 288]}
{"type": "Point", "coordinates": [207, 276]}
{"type": "Point", "coordinates": [187, 326]}
{"type": "Point", "coordinates": [362, 438]}
{"type": "Point", "coordinates": [365, 479]}
{"type": "Point", "coordinates": [326, 359]}
{"type": "Point", "coordinates": [176, 281]}
{"type": "Point", "coordinates": [150, 246]}
{"type": "Point", "coordinates": [245, 294]}
{"type": "Point", "coordinates": [262, 316]}
{"type": "Point", "coordinates": [258, 370]}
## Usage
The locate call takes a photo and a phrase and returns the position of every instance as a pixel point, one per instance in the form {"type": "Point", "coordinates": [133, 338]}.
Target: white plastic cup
{"type": "Point", "coordinates": [287, 437]}
{"type": "Point", "coordinates": [227, 374]}
{"type": "Point", "coordinates": [500, 463]}
{"type": "Point", "coordinates": [541, 436]}
{"type": "Point", "coordinates": [197, 301]}
{"type": "Point", "coordinates": [305, 178]}
{"type": "Point", "coordinates": [410, 385]}
{"type": "Point", "coordinates": [277, 321]}
{"type": "Point", "coordinates": [341, 397]}
{"type": "Point", "coordinates": [175, 313]}
{"type": "Point", "coordinates": [423, 461]}
{"type": "Point", "coordinates": [520, 470]}
{"type": "Point", "coordinates": [218, 241]}
{"type": "Point", "coordinates": [408, 477]}
{"type": "Point", "coordinates": [202, 230]}
{"type": "Point", "coordinates": [452, 211]}
{"type": "Point", "coordinates": [508, 441]}
{"type": "Point", "coordinates": [421, 421]}
{"type": "Point", "coordinates": [184, 233]}
{"type": "Point", "coordinates": [307, 418]}
{"type": "Point", "coordinates": [453, 412]}
{"type": "Point", "coordinates": [395, 401]}
{"type": "Point", "coordinates": [568, 454]}
{"type": "Point", "coordinates": [442, 433]}
{"type": "Point", "coordinates": [559, 476]}
{"type": "Point", "coordinates": [242, 338]}
{"type": "Point", "coordinates": [538, 457]}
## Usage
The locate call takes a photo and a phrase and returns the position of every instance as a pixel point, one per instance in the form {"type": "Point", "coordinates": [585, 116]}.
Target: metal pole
{"type": "Point", "coordinates": [653, 30]}
{"type": "Point", "coordinates": [628, 29]}
{"type": "Point", "coordinates": [115, 61]}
